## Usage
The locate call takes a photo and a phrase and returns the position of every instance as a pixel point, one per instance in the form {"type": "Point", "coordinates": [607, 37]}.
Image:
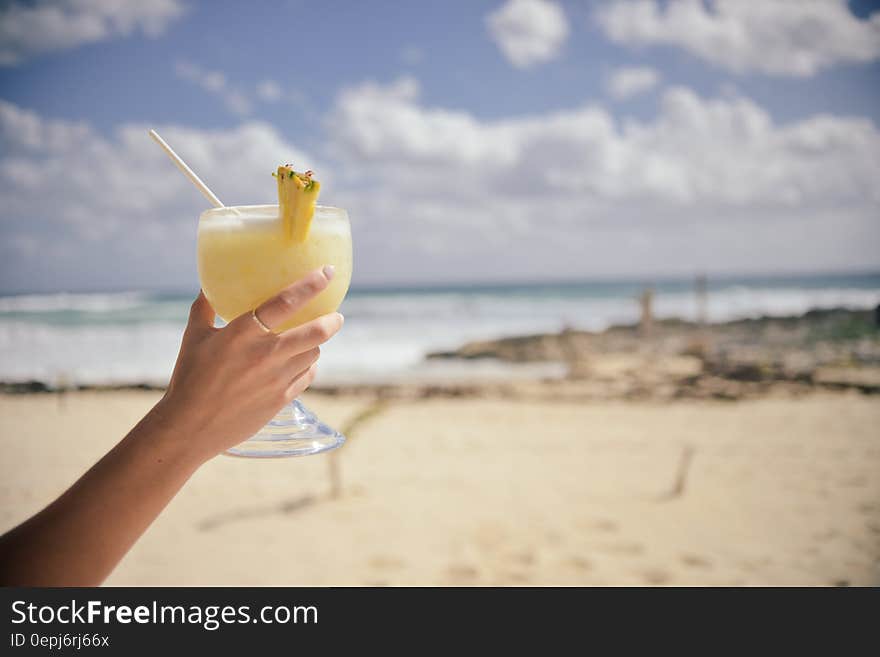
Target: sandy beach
{"type": "Point", "coordinates": [476, 491]}
{"type": "Point", "coordinates": [608, 273]}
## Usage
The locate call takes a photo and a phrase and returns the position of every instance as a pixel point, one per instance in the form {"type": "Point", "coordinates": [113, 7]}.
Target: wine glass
{"type": "Point", "coordinates": [245, 258]}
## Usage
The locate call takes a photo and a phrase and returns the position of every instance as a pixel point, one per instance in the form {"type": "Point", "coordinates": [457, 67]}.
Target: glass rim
{"type": "Point", "coordinates": [246, 209]}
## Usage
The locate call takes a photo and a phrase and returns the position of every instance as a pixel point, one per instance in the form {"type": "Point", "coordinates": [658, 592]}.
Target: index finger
{"type": "Point", "coordinates": [274, 312]}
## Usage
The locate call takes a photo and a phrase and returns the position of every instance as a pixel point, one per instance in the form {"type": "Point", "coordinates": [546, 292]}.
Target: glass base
{"type": "Point", "coordinates": [294, 431]}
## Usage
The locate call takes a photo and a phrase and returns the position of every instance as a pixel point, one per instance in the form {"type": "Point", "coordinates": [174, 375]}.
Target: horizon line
{"type": "Point", "coordinates": [636, 279]}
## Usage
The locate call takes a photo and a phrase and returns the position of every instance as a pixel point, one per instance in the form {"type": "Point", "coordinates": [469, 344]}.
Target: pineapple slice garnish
{"type": "Point", "coordinates": [297, 195]}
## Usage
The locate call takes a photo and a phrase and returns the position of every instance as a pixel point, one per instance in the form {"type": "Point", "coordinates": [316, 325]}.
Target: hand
{"type": "Point", "coordinates": [229, 382]}
{"type": "Point", "coordinates": [226, 385]}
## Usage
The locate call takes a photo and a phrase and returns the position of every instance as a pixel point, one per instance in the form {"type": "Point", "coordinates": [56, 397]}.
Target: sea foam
{"type": "Point", "coordinates": [133, 337]}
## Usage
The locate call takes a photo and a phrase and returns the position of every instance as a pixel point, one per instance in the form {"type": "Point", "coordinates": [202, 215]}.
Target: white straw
{"type": "Point", "coordinates": [189, 173]}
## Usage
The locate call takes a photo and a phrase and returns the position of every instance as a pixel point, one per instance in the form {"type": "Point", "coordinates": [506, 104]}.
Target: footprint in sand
{"type": "Point", "coordinates": [356, 491]}
{"type": "Point", "coordinates": [753, 565]}
{"type": "Point", "coordinates": [628, 549]}
{"type": "Point", "coordinates": [859, 481]}
{"type": "Point", "coordinates": [517, 578]}
{"type": "Point", "coordinates": [600, 525]}
{"type": "Point", "coordinates": [580, 563]}
{"type": "Point", "coordinates": [865, 547]}
{"type": "Point", "coordinates": [655, 576]}
{"type": "Point", "coordinates": [695, 561]}
{"type": "Point", "coordinates": [490, 537]}
{"type": "Point", "coordinates": [459, 573]}
{"type": "Point", "coordinates": [386, 562]}
{"type": "Point", "coordinates": [826, 535]}
{"type": "Point", "coordinates": [605, 525]}
{"type": "Point", "coordinates": [524, 557]}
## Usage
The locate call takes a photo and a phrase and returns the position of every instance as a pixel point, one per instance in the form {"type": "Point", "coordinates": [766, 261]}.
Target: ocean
{"type": "Point", "coordinates": [132, 337]}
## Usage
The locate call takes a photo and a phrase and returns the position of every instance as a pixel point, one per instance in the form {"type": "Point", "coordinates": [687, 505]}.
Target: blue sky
{"type": "Point", "coordinates": [689, 150]}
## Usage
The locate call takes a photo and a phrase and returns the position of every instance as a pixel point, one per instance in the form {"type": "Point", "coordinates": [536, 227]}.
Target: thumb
{"type": "Point", "coordinates": [201, 315]}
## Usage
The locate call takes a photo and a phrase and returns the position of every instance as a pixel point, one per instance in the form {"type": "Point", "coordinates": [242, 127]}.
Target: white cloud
{"type": "Point", "coordinates": [29, 29]}
{"type": "Point", "coordinates": [696, 151]}
{"type": "Point", "coordinates": [528, 32]}
{"type": "Point", "coordinates": [404, 133]}
{"type": "Point", "coordinates": [269, 91]}
{"type": "Point", "coordinates": [116, 202]}
{"type": "Point", "coordinates": [438, 193]}
{"type": "Point", "coordinates": [215, 82]}
{"type": "Point", "coordinates": [575, 189]}
{"type": "Point", "coordinates": [628, 82]}
{"type": "Point", "coordinates": [776, 37]}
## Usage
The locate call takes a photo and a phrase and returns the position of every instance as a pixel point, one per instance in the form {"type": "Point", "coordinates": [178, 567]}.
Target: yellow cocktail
{"type": "Point", "coordinates": [246, 255]}
{"type": "Point", "coordinates": [246, 258]}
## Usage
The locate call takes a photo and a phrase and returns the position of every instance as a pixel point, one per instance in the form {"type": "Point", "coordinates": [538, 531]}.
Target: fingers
{"type": "Point", "coordinates": [285, 304]}
{"type": "Point", "coordinates": [201, 316]}
{"type": "Point", "coordinates": [311, 334]}
{"type": "Point", "coordinates": [301, 362]}
{"type": "Point", "coordinates": [293, 375]}
{"type": "Point", "coordinates": [300, 383]}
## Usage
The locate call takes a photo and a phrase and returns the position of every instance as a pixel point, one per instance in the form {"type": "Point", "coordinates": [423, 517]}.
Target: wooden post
{"type": "Point", "coordinates": [335, 474]}
{"type": "Point", "coordinates": [681, 473]}
{"type": "Point", "coordinates": [702, 300]}
{"type": "Point", "coordinates": [334, 469]}
{"type": "Point", "coordinates": [576, 361]}
{"type": "Point", "coordinates": [646, 322]}
{"type": "Point", "coordinates": [700, 344]}
{"type": "Point", "coordinates": [62, 385]}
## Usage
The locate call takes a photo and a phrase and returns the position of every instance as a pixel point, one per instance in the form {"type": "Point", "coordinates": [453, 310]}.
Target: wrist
{"type": "Point", "coordinates": [172, 439]}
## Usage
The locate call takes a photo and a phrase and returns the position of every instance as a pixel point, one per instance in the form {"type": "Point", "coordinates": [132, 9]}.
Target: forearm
{"type": "Point", "coordinates": [227, 383]}
{"type": "Point", "coordinates": [79, 538]}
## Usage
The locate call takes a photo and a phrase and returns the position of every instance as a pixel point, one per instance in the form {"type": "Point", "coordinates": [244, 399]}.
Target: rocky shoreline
{"type": "Point", "coordinates": [836, 349]}
{"type": "Point", "coordinates": [830, 349]}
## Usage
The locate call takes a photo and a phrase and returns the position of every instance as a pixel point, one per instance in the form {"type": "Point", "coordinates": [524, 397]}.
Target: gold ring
{"type": "Point", "coordinates": [259, 321]}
